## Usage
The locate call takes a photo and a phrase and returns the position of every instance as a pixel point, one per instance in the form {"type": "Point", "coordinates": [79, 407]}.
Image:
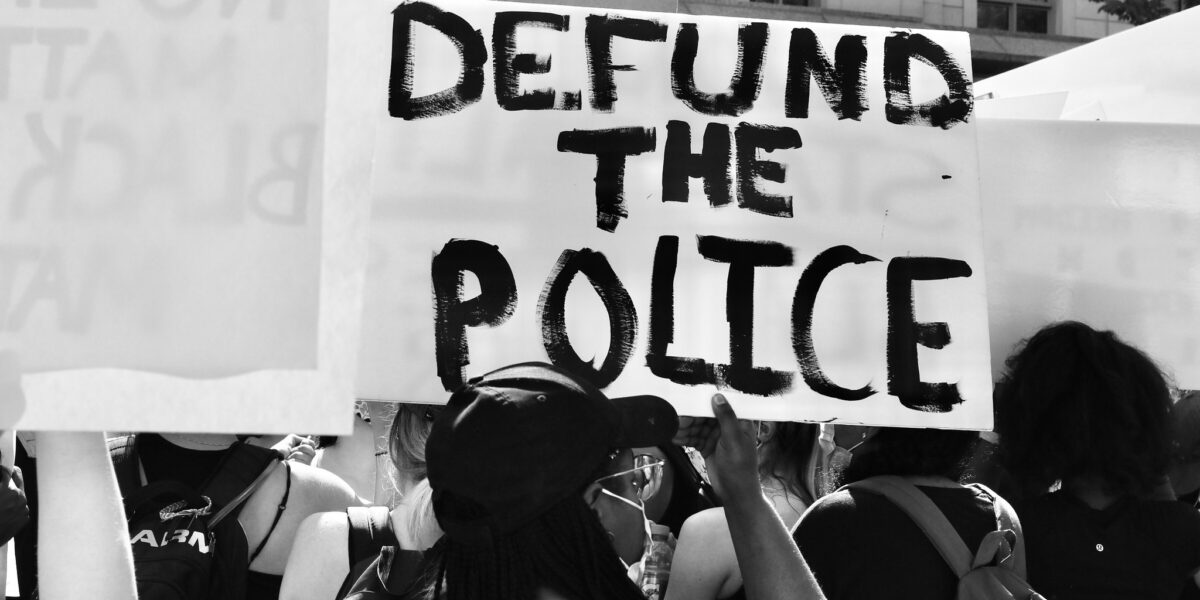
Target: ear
{"type": "Point", "coordinates": [767, 430]}
{"type": "Point", "coordinates": [592, 493]}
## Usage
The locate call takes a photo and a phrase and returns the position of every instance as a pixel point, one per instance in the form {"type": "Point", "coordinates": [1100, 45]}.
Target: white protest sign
{"type": "Point", "coordinates": [1094, 222]}
{"type": "Point", "coordinates": [675, 204]}
{"type": "Point", "coordinates": [167, 255]}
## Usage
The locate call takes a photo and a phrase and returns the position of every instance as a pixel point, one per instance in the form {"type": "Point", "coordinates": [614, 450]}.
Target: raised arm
{"type": "Point", "coordinates": [772, 566]}
{"type": "Point", "coordinates": [83, 544]}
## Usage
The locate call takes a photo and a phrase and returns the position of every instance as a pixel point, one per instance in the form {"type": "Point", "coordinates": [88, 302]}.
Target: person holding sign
{"type": "Point", "coordinates": [705, 564]}
{"type": "Point", "coordinates": [524, 463]}
{"type": "Point", "coordinates": [1082, 408]}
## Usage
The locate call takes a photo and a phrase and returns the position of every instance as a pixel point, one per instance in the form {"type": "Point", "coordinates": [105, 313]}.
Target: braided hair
{"type": "Point", "coordinates": [565, 550]}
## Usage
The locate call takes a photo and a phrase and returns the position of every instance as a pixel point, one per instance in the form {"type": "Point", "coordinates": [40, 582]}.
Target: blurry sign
{"type": "Point", "coordinates": [1095, 222]}
{"type": "Point", "coordinates": [673, 204]}
{"type": "Point", "coordinates": [162, 212]}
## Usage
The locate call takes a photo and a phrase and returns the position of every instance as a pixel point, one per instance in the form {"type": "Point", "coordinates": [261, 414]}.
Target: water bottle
{"type": "Point", "coordinates": [657, 569]}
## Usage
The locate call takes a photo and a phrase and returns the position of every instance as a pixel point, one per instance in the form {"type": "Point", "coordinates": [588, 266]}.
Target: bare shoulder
{"type": "Point", "coordinates": [321, 489]}
{"type": "Point", "coordinates": [709, 525]}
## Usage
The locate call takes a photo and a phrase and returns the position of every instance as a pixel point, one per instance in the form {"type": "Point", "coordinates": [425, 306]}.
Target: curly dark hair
{"type": "Point", "coordinates": [1080, 403]}
{"type": "Point", "coordinates": [904, 452]}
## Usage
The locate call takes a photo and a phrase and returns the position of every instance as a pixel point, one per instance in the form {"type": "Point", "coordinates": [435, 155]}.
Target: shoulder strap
{"type": "Point", "coordinates": [927, 516]}
{"type": "Point", "coordinates": [242, 471]}
{"type": "Point", "coordinates": [370, 530]}
{"type": "Point", "coordinates": [123, 452]}
{"type": "Point", "coordinates": [1006, 519]}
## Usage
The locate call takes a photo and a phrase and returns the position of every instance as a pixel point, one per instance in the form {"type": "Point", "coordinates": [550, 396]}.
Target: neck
{"type": "Point", "coordinates": [1090, 493]}
{"type": "Point", "coordinates": [201, 441]}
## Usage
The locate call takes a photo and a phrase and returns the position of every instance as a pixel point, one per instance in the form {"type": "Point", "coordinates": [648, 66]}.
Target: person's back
{"type": "Point", "coordinates": [1133, 548]}
{"type": "Point", "coordinates": [270, 516]}
{"type": "Point", "coordinates": [862, 546]}
{"type": "Point", "coordinates": [1081, 408]}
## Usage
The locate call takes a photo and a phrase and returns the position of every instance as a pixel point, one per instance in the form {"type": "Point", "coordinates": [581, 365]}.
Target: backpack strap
{"type": "Point", "coordinates": [242, 471]}
{"type": "Point", "coordinates": [370, 533]}
{"type": "Point", "coordinates": [925, 514]}
{"type": "Point", "coordinates": [370, 530]}
{"type": "Point", "coordinates": [123, 452]}
{"type": "Point", "coordinates": [287, 492]}
{"type": "Point", "coordinates": [1007, 520]}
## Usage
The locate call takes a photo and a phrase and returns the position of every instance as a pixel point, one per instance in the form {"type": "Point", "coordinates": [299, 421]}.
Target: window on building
{"type": "Point", "coordinates": [789, 2]}
{"type": "Point", "coordinates": [1024, 16]}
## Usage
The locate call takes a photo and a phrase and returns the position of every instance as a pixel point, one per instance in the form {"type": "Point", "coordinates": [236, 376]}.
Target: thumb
{"type": "Point", "coordinates": [726, 419]}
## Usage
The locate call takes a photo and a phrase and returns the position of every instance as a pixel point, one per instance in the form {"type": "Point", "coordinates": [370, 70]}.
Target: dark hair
{"type": "Point", "coordinates": [1076, 402]}
{"type": "Point", "coordinates": [565, 550]}
{"type": "Point", "coordinates": [785, 455]}
{"type": "Point", "coordinates": [899, 451]}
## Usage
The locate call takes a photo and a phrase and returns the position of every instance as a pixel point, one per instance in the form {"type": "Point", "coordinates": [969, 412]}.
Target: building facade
{"type": "Point", "coordinates": [1004, 33]}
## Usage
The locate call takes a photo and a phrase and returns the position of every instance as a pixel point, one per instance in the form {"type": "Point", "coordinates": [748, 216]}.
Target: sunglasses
{"type": "Point", "coordinates": [647, 476]}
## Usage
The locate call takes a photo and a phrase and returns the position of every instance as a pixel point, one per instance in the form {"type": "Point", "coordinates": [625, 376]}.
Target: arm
{"type": "Point", "coordinates": [772, 567]}
{"type": "Point", "coordinates": [316, 570]}
{"type": "Point", "coordinates": [704, 565]}
{"type": "Point", "coordinates": [78, 496]}
{"type": "Point", "coordinates": [312, 491]}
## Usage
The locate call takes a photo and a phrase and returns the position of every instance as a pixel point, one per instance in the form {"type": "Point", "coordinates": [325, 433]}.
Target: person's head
{"type": "Point", "coordinates": [910, 452]}
{"type": "Point", "coordinates": [1077, 404]}
{"type": "Point", "coordinates": [1185, 443]}
{"type": "Point", "coordinates": [407, 435]}
{"type": "Point", "coordinates": [513, 460]}
{"type": "Point", "coordinates": [784, 451]}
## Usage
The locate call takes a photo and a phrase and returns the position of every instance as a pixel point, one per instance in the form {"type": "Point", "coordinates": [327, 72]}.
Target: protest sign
{"type": "Point", "coordinates": [167, 251]}
{"type": "Point", "coordinates": [675, 204]}
{"type": "Point", "coordinates": [1095, 222]}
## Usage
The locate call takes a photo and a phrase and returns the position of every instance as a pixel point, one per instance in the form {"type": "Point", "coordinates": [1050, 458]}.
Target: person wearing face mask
{"type": "Point", "coordinates": [535, 489]}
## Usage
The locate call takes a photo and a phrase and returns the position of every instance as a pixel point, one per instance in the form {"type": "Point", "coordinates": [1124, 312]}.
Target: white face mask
{"type": "Point", "coordinates": [635, 570]}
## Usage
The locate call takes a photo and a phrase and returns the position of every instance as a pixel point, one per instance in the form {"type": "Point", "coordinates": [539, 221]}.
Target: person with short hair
{"type": "Point", "coordinates": [1083, 411]}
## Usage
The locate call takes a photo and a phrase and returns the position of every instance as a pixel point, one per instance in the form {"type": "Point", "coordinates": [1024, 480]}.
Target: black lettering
{"type": "Point", "coordinates": [802, 320]}
{"type": "Point", "coordinates": [904, 333]}
{"type": "Point", "coordinates": [945, 111]}
{"type": "Point", "coordinates": [750, 139]}
{"type": "Point", "coordinates": [843, 83]}
{"type": "Point", "coordinates": [598, 35]}
{"type": "Point", "coordinates": [743, 256]}
{"type": "Point", "coordinates": [711, 165]}
{"type": "Point", "coordinates": [681, 370]}
{"type": "Point", "coordinates": [494, 305]}
{"type": "Point", "coordinates": [744, 84]}
{"type": "Point", "coordinates": [509, 65]}
{"type": "Point", "coordinates": [622, 317]}
{"type": "Point", "coordinates": [610, 146]}
{"type": "Point", "coordinates": [472, 53]}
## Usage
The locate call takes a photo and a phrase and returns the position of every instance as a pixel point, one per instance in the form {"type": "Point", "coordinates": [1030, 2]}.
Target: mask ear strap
{"type": "Point", "coordinates": [623, 499]}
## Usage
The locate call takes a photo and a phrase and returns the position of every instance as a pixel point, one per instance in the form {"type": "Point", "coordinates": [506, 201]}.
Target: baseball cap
{"type": "Point", "coordinates": [516, 441]}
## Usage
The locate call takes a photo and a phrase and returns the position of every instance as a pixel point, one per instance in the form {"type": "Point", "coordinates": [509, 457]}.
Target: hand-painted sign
{"type": "Point", "coordinates": [674, 204]}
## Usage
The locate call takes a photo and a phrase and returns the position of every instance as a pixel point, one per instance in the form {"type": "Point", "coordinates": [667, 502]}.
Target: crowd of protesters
{"type": "Point", "coordinates": [531, 483]}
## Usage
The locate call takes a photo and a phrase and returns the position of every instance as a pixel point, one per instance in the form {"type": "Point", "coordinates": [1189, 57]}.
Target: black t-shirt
{"type": "Point", "coordinates": [862, 546]}
{"type": "Point", "coordinates": [1145, 549]}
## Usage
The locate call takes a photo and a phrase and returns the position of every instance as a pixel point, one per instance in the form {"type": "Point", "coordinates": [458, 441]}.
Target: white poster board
{"type": "Point", "coordinates": [803, 235]}
{"type": "Point", "coordinates": [169, 260]}
{"type": "Point", "coordinates": [1094, 222]}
